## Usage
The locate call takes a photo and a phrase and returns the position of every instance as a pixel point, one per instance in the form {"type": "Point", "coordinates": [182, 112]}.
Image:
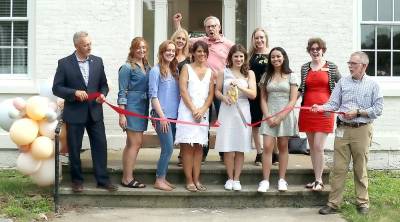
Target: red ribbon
{"type": "Point", "coordinates": [119, 110]}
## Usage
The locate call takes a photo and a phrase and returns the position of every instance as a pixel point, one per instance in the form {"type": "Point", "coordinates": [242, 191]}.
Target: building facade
{"type": "Point", "coordinates": [35, 34]}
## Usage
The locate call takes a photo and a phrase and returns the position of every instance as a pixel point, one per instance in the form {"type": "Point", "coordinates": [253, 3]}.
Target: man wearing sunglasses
{"type": "Point", "coordinates": [359, 97]}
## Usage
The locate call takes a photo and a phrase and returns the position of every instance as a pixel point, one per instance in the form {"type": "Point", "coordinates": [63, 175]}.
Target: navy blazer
{"type": "Point", "coordinates": [68, 79]}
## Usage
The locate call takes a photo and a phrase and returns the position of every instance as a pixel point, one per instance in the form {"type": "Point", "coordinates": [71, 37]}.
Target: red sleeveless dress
{"type": "Point", "coordinates": [316, 92]}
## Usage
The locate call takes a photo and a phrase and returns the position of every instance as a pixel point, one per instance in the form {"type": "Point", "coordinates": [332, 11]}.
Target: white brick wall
{"type": "Point", "coordinates": [291, 23]}
{"type": "Point", "coordinates": [107, 23]}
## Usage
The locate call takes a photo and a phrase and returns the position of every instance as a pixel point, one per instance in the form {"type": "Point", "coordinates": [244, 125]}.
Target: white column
{"type": "Point", "coordinates": [229, 19]}
{"type": "Point", "coordinates": [136, 18]}
{"type": "Point", "coordinates": [253, 18]}
{"type": "Point", "coordinates": [160, 24]}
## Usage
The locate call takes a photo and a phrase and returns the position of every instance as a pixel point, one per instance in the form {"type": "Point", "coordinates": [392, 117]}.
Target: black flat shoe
{"type": "Point", "coordinates": [328, 210]}
{"type": "Point", "coordinates": [363, 210]}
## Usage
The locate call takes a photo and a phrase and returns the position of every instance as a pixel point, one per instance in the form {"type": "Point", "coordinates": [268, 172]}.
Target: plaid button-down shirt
{"type": "Point", "coordinates": [84, 67]}
{"type": "Point", "coordinates": [351, 94]}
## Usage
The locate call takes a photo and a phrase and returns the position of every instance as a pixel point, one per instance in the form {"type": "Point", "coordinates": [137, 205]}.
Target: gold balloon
{"type": "Point", "coordinates": [37, 107]}
{"type": "Point", "coordinates": [24, 131]}
{"type": "Point", "coordinates": [42, 148]}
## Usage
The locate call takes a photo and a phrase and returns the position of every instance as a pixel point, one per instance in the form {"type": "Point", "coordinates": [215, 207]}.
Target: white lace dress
{"type": "Point", "coordinates": [198, 93]}
{"type": "Point", "coordinates": [232, 135]}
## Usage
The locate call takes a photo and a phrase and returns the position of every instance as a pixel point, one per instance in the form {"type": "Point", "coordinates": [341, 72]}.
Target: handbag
{"type": "Point", "coordinates": [298, 145]}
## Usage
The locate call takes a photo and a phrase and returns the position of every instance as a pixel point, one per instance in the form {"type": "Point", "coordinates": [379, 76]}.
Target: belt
{"type": "Point", "coordinates": [353, 125]}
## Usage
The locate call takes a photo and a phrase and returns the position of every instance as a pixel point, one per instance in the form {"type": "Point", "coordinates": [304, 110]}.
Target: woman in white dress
{"type": "Point", "coordinates": [197, 91]}
{"type": "Point", "coordinates": [234, 136]}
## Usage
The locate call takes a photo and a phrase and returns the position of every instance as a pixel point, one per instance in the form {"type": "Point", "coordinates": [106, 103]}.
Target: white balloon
{"type": "Point", "coordinates": [47, 128]}
{"type": "Point", "coordinates": [51, 116]}
{"type": "Point", "coordinates": [45, 89]}
{"type": "Point", "coordinates": [26, 164]}
{"type": "Point", "coordinates": [14, 113]}
{"type": "Point", "coordinates": [5, 120]}
{"type": "Point", "coordinates": [45, 175]}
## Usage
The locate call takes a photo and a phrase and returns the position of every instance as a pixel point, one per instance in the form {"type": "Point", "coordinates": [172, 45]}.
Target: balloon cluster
{"type": "Point", "coordinates": [31, 124]}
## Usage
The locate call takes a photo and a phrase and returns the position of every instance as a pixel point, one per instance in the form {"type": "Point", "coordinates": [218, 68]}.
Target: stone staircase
{"type": "Point", "coordinates": [212, 175]}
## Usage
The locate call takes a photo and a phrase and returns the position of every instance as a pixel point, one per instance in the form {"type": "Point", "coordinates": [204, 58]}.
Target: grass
{"type": "Point", "coordinates": [384, 195]}
{"type": "Point", "coordinates": [21, 199]}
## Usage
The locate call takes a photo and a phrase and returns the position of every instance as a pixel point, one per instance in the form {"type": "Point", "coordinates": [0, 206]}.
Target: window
{"type": "Point", "coordinates": [380, 36]}
{"type": "Point", "coordinates": [13, 37]}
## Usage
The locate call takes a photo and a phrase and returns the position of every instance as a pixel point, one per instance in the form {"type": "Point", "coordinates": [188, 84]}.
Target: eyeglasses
{"type": "Point", "coordinates": [211, 26]}
{"type": "Point", "coordinates": [353, 63]}
{"type": "Point", "coordinates": [315, 49]}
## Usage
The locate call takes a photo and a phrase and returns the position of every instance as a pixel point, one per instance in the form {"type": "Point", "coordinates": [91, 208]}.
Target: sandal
{"type": "Point", "coordinates": [201, 187]}
{"type": "Point", "coordinates": [163, 187]}
{"type": "Point", "coordinates": [179, 164]}
{"type": "Point", "coordinates": [133, 184]}
{"type": "Point", "coordinates": [318, 186]}
{"type": "Point", "coordinates": [170, 185]}
{"type": "Point", "coordinates": [310, 185]}
{"type": "Point", "coordinates": [191, 188]}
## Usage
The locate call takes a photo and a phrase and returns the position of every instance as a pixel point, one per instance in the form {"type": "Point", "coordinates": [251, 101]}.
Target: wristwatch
{"type": "Point", "coordinates": [358, 113]}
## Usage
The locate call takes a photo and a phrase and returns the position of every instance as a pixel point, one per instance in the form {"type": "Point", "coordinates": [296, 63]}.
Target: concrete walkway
{"type": "Point", "coordinates": [197, 215]}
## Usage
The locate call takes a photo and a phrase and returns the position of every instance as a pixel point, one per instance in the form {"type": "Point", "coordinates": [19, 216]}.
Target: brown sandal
{"type": "Point", "coordinates": [201, 187]}
{"type": "Point", "coordinates": [191, 188]}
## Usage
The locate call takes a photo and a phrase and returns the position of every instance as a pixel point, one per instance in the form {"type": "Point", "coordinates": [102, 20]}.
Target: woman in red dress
{"type": "Point", "coordinates": [318, 78]}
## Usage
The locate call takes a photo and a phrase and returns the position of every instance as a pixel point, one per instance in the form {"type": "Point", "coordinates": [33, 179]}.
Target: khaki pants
{"type": "Point", "coordinates": [354, 144]}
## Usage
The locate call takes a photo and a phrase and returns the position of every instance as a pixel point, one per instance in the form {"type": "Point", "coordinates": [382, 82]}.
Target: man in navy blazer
{"type": "Point", "coordinates": [77, 76]}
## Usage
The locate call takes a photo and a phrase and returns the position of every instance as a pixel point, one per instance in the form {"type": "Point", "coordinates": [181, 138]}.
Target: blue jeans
{"type": "Point", "coordinates": [167, 146]}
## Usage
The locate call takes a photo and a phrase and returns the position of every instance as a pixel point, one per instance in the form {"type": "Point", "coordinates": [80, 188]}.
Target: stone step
{"type": "Point", "coordinates": [214, 197]}
{"type": "Point", "coordinates": [213, 172]}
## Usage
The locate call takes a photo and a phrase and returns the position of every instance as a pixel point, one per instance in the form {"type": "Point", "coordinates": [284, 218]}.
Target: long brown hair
{"type": "Point", "coordinates": [229, 63]}
{"type": "Point", "coordinates": [270, 70]}
{"type": "Point", "coordinates": [135, 44]}
{"type": "Point", "coordinates": [173, 65]}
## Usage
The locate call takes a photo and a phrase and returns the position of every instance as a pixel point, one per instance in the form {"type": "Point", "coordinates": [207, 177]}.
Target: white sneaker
{"type": "Point", "coordinates": [236, 185]}
{"type": "Point", "coordinates": [229, 185]}
{"type": "Point", "coordinates": [263, 186]}
{"type": "Point", "coordinates": [282, 185]}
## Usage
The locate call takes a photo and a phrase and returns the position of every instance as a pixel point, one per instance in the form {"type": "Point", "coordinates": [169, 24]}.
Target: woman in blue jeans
{"type": "Point", "coordinates": [164, 95]}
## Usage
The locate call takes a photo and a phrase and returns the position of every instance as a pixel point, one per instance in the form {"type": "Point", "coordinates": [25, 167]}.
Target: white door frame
{"type": "Point", "coordinates": [161, 18]}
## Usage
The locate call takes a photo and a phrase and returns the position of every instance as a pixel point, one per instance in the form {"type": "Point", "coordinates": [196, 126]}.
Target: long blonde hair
{"type": "Point", "coordinates": [173, 65]}
{"type": "Point", "coordinates": [185, 50]}
{"type": "Point", "coordinates": [253, 43]}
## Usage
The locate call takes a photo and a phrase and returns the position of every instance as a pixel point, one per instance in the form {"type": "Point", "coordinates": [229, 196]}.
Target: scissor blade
{"type": "Point", "coordinates": [241, 115]}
